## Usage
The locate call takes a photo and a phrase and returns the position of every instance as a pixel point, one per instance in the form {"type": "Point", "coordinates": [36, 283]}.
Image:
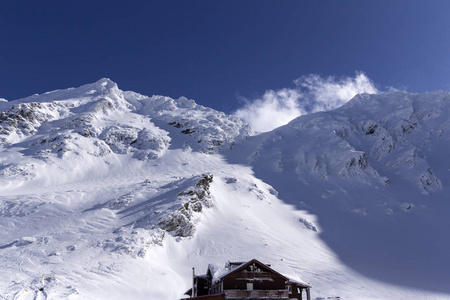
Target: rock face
{"type": "Point", "coordinates": [193, 200]}
{"type": "Point", "coordinates": [24, 119]}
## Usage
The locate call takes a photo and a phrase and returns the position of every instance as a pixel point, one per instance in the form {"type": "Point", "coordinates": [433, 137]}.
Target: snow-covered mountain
{"type": "Point", "coordinates": [375, 172]}
{"type": "Point", "coordinates": [106, 194]}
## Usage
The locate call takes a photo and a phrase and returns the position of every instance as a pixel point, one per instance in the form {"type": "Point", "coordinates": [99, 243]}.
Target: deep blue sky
{"type": "Point", "coordinates": [212, 51]}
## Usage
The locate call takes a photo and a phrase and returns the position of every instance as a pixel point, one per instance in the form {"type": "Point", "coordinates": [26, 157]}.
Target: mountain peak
{"type": "Point", "coordinates": [99, 87]}
{"type": "Point", "coordinates": [104, 84]}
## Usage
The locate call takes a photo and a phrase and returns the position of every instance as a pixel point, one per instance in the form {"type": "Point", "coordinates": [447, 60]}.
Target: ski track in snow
{"type": "Point", "coordinates": [89, 174]}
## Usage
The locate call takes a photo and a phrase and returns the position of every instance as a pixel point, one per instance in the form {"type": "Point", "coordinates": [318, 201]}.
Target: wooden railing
{"type": "Point", "coordinates": [278, 294]}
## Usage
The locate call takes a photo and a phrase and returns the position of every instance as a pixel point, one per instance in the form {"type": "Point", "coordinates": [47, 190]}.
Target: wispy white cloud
{"type": "Point", "coordinates": [272, 109]}
{"type": "Point", "coordinates": [322, 94]}
{"type": "Point", "coordinates": [311, 93]}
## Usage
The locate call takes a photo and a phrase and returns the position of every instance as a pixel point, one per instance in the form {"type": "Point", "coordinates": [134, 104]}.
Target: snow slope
{"type": "Point", "coordinates": [107, 194]}
{"type": "Point", "coordinates": [374, 172]}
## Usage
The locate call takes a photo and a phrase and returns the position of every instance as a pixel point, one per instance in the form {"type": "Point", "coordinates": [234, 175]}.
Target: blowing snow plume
{"type": "Point", "coordinates": [312, 93]}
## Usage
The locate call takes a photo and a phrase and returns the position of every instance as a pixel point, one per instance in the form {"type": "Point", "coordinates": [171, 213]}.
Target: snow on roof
{"type": "Point", "coordinates": [290, 274]}
{"type": "Point", "coordinates": [219, 272]}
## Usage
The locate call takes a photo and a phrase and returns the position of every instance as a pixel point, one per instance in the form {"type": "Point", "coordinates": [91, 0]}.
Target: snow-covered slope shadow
{"type": "Point", "coordinates": [375, 173]}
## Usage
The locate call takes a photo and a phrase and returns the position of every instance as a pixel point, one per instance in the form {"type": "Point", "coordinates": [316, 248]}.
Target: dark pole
{"type": "Point", "coordinates": [193, 294]}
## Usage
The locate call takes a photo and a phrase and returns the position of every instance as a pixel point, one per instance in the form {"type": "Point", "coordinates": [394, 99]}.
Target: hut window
{"type": "Point", "coordinates": [289, 288]}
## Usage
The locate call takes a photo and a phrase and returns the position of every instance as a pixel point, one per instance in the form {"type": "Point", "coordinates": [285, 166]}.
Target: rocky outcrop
{"type": "Point", "coordinates": [193, 200]}
{"type": "Point", "coordinates": [24, 119]}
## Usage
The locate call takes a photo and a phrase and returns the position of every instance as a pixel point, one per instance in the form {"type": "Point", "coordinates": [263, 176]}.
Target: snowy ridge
{"type": "Point", "coordinates": [118, 118]}
{"type": "Point", "coordinates": [99, 120]}
{"type": "Point", "coordinates": [401, 139]}
{"type": "Point", "coordinates": [106, 194]}
{"type": "Point", "coordinates": [362, 142]}
{"type": "Point", "coordinates": [204, 129]}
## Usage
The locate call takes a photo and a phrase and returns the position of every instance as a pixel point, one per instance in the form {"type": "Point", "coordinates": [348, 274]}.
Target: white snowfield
{"type": "Point", "coordinates": [106, 194]}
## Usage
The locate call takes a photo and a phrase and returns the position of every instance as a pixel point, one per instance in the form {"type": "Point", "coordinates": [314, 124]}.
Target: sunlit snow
{"type": "Point", "coordinates": [106, 194]}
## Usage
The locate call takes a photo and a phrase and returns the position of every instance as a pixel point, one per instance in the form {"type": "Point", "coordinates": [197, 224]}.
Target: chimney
{"type": "Point", "coordinates": [194, 292]}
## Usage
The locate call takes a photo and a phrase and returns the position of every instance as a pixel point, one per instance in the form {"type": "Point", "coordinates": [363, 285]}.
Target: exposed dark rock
{"type": "Point", "coordinates": [194, 199]}
{"type": "Point", "coordinates": [187, 131]}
